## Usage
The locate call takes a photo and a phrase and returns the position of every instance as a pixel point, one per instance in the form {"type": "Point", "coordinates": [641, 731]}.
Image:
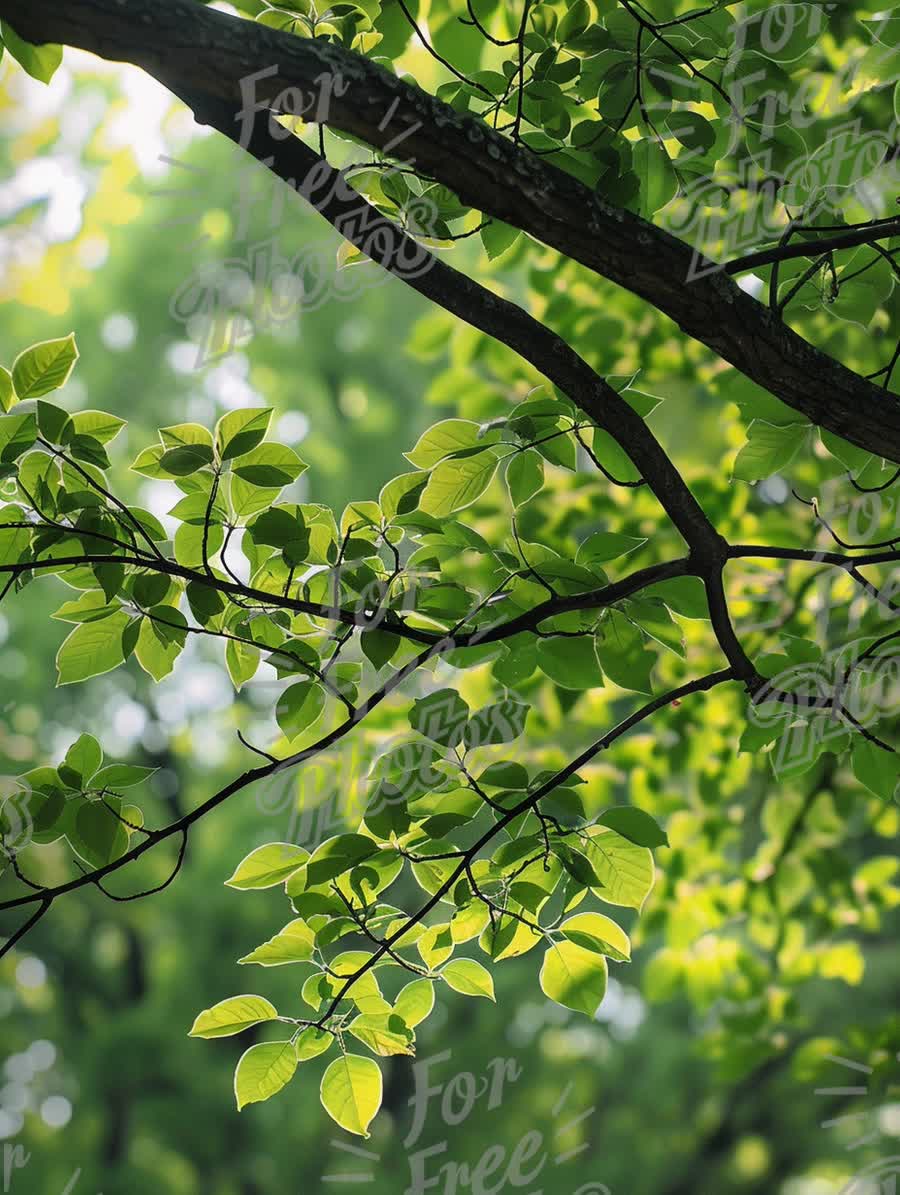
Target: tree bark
{"type": "Point", "coordinates": [188, 47]}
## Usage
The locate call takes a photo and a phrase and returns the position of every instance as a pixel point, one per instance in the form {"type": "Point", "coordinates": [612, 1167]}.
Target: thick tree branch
{"type": "Point", "coordinates": [188, 46]}
{"type": "Point", "coordinates": [328, 192]}
{"type": "Point", "coordinates": [353, 217]}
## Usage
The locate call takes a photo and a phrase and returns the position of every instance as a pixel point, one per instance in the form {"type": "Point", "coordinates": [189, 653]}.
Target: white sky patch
{"type": "Point", "coordinates": [42, 1054]}
{"type": "Point", "coordinates": [227, 384]}
{"type": "Point", "coordinates": [147, 109]}
{"type": "Point", "coordinates": [56, 1111]}
{"type": "Point", "coordinates": [292, 427]}
{"type": "Point", "coordinates": [59, 184]}
{"type": "Point", "coordinates": [118, 331]}
{"type": "Point", "coordinates": [159, 496]}
{"type": "Point", "coordinates": [752, 284]}
{"type": "Point", "coordinates": [31, 973]}
{"type": "Point", "coordinates": [145, 118]}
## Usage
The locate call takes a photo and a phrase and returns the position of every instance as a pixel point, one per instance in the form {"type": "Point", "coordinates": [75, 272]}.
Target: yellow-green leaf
{"type": "Point", "coordinates": [44, 367]}
{"type": "Point", "coordinates": [384, 1033]}
{"type": "Point", "coordinates": [574, 977]}
{"type": "Point", "coordinates": [466, 976]}
{"type": "Point", "coordinates": [415, 1001]}
{"type": "Point", "coordinates": [312, 1042]}
{"type": "Point", "coordinates": [262, 1072]}
{"type": "Point", "coordinates": [268, 865]}
{"type": "Point", "coordinates": [233, 1016]}
{"type": "Point", "coordinates": [593, 931]}
{"type": "Point", "coordinates": [91, 649]}
{"type": "Point", "coordinates": [293, 944]}
{"type": "Point", "coordinates": [351, 1092]}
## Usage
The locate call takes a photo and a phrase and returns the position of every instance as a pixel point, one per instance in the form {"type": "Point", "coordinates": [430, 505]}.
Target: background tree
{"type": "Point", "coordinates": [533, 585]}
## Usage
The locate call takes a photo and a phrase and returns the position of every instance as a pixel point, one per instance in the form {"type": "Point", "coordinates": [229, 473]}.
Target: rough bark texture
{"type": "Point", "coordinates": [192, 48]}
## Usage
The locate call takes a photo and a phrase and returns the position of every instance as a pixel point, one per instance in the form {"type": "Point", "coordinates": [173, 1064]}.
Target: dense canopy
{"type": "Point", "coordinates": [601, 668]}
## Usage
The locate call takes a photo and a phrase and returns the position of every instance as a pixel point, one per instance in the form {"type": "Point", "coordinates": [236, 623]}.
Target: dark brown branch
{"type": "Point", "coordinates": [191, 47]}
{"type": "Point", "coordinates": [23, 929]}
{"type": "Point", "coordinates": [395, 251]}
{"type": "Point", "coordinates": [866, 234]}
{"type": "Point", "coordinates": [528, 621]}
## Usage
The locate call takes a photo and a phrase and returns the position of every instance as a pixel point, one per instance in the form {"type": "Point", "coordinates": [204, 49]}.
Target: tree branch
{"type": "Point", "coordinates": [187, 46]}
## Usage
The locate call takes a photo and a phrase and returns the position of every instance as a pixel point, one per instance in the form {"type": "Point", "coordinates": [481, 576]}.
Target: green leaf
{"type": "Point", "coordinates": [283, 527]}
{"type": "Point", "coordinates": [39, 61]}
{"type": "Point", "coordinates": [444, 438]}
{"type": "Point", "coordinates": [575, 22]}
{"type": "Point", "coordinates": [685, 595]}
{"type": "Point", "coordinates": [415, 1002]}
{"type": "Point", "coordinates": [52, 421]}
{"type": "Point", "coordinates": [147, 462]}
{"type": "Point", "coordinates": [98, 425]}
{"type": "Point", "coordinates": [504, 774]}
{"type": "Point", "coordinates": [877, 769]}
{"type": "Point", "coordinates": [401, 495]}
{"type": "Point", "coordinates": [45, 366]}
{"type": "Point", "coordinates": [179, 435]}
{"type": "Point", "coordinates": [293, 944]}
{"type": "Point", "coordinates": [623, 653]}
{"type": "Point", "coordinates": [769, 449]}
{"type": "Point", "coordinates": [161, 639]}
{"type": "Point", "coordinates": [204, 601]}
{"type": "Point", "coordinates": [270, 465]}
{"type": "Point", "coordinates": [498, 723]}
{"type": "Point", "coordinates": [471, 978]}
{"type": "Point", "coordinates": [574, 977]}
{"type": "Point", "coordinates": [455, 484]}
{"type": "Point", "coordinates": [121, 775]}
{"type": "Point", "coordinates": [299, 707]}
{"type": "Point", "coordinates": [435, 945]}
{"type": "Point", "coordinates": [625, 869]}
{"type": "Point", "coordinates": [659, 182]}
{"type": "Point", "coordinates": [351, 1092]}
{"type": "Point", "coordinates": [186, 459]}
{"type": "Point", "coordinates": [233, 1016]}
{"type": "Point", "coordinates": [524, 476]}
{"type": "Point", "coordinates": [241, 660]}
{"type": "Point", "coordinates": [268, 865]}
{"type": "Point", "coordinates": [14, 541]}
{"type": "Point", "coordinates": [654, 619]}
{"type": "Point", "coordinates": [239, 432]}
{"type": "Point", "coordinates": [262, 1072]}
{"type": "Point", "coordinates": [333, 857]}
{"type": "Point", "coordinates": [595, 932]}
{"type": "Point", "coordinates": [386, 812]}
{"type": "Point", "coordinates": [98, 834]}
{"type": "Point", "coordinates": [379, 647]}
{"type": "Point", "coordinates": [91, 649]}
{"type": "Point", "coordinates": [572, 663]}
{"type": "Point", "coordinates": [17, 435]}
{"type": "Point", "coordinates": [7, 391]}
{"type": "Point", "coordinates": [578, 866]}
{"type": "Point", "coordinates": [692, 130]}
{"type": "Point", "coordinates": [384, 1033]}
{"type": "Point", "coordinates": [84, 757]}
{"type": "Point", "coordinates": [635, 825]}
{"type": "Point", "coordinates": [441, 717]}
{"type": "Point", "coordinates": [497, 237]}
{"type": "Point", "coordinates": [312, 1042]}
{"type": "Point", "coordinates": [603, 546]}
